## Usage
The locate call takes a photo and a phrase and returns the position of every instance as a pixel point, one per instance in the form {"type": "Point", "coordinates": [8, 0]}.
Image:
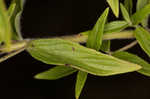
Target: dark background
{"type": "Point", "coordinates": [46, 18]}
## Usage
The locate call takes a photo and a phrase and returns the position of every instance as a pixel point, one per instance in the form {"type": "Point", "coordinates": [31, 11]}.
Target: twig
{"type": "Point", "coordinates": [127, 46]}
{"type": "Point", "coordinates": [14, 46]}
{"type": "Point", "coordinates": [79, 38]}
{"type": "Point", "coordinates": [15, 49]}
{"type": "Point", "coordinates": [82, 37]}
{"type": "Point", "coordinates": [11, 54]}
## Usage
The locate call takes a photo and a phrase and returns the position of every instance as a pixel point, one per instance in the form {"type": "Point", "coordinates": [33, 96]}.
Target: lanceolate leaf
{"type": "Point", "coordinates": [140, 5]}
{"type": "Point", "coordinates": [11, 10]}
{"type": "Point", "coordinates": [115, 26]}
{"type": "Point", "coordinates": [60, 52]}
{"type": "Point", "coordinates": [81, 79]}
{"type": "Point", "coordinates": [15, 18]}
{"type": "Point", "coordinates": [143, 38]}
{"type": "Point", "coordinates": [145, 22]}
{"type": "Point", "coordinates": [114, 4]}
{"type": "Point", "coordinates": [134, 59]}
{"type": "Point", "coordinates": [125, 14]}
{"type": "Point", "coordinates": [56, 73]}
{"type": "Point", "coordinates": [95, 36]}
{"type": "Point", "coordinates": [111, 27]}
{"type": "Point", "coordinates": [94, 42]}
{"type": "Point", "coordinates": [141, 14]}
{"type": "Point", "coordinates": [128, 5]}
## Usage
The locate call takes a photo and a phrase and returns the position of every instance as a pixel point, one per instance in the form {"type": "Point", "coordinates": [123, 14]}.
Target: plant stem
{"type": "Point", "coordinates": [11, 54]}
{"type": "Point", "coordinates": [82, 37]}
{"type": "Point", "coordinates": [14, 46]}
{"type": "Point", "coordinates": [127, 46]}
{"type": "Point", "coordinates": [14, 49]}
{"type": "Point", "coordinates": [119, 35]}
{"type": "Point", "coordinates": [79, 38]}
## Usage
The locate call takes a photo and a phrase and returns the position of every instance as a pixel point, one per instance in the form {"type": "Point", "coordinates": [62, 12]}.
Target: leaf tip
{"type": "Point", "coordinates": [139, 67]}
{"type": "Point", "coordinates": [107, 9]}
{"type": "Point", "coordinates": [37, 76]}
{"type": "Point", "coordinates": [114, 4]}
{"type": "Point", "coordinates": [77, 97]}
{"type": "Point", "coordinates": [117, 15]}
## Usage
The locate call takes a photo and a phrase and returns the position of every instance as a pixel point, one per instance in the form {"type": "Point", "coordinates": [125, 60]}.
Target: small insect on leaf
{"type": "Point", "coordinates": [73, 49]}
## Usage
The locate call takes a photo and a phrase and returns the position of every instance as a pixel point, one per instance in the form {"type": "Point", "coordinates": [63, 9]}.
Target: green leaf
{"type": "Point", "coordinates": [134, 59]}
{"type": "Point", "coordinates": [94, 41]}
{"type": "Point", "coordinates": [115, 26]}
{"type": "Point", "coordinates": [80, 82]}
{"type": "Point", "coordinates": [5, 28]}
{"type": "Point", "coordinates": [143, 38]}
{"type": "Point", "coordinates": [140, 15]}
{"type": "Point", "coordinates": [15, 18]}
{"type": "Point", "coordinates": [55, 73]}
{"type": "Point", "coordinates": [11, 10]}
{"type": "Point", "coordinates": [2, 30]}
{"type": "Point", "coordinates": [61, 52]}
{"type": "Point", "coordinates": [112, 27]}
{"type": "Point", "coordinates": [114, 4]}
{"type": "Point", "coordinates": [125, 14]}
{"type": "Point", "coordinates": [140, 5]}
{"type": "Point", "coordinates": [95, 36]}
{"type": "Point", "coordinates": [145, 22]}
{"type": "Point", "coordinates": [128, 5]}
{"type": "Point", "coordinates": [105, 46]}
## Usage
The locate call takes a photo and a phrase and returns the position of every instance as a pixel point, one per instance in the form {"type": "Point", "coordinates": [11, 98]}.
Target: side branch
{"type": "Point", "coordinates": [82, 37]}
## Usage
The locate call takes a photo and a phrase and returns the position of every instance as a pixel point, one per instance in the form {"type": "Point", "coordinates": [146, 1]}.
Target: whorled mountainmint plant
{"type": "Point", "coordinates": [69, 56]}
